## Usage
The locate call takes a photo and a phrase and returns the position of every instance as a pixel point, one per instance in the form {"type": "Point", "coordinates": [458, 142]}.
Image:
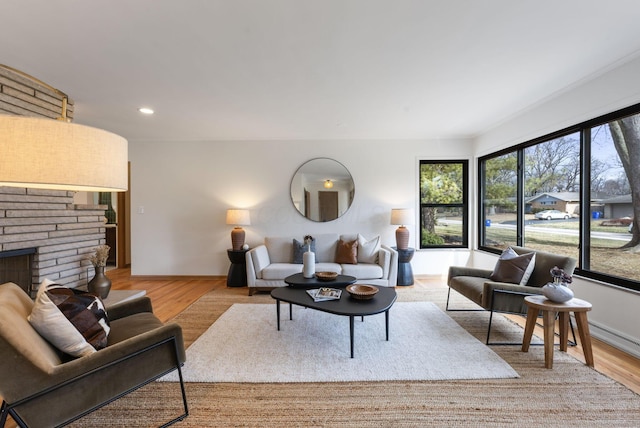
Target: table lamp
{"type": "Point", "coordinates": [402, 216]}
{"type": "Point", "coordinates": [238, 218]}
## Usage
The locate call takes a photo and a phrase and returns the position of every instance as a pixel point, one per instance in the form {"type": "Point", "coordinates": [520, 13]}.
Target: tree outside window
{"type": "Point", "coordinates": [499, 201]}
{"type": "Point", "coordinates": [443, 204]}
{"type": "Point", "coordinates": [590, 173]}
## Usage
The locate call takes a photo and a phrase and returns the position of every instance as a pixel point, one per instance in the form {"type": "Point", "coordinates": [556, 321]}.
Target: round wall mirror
{"type": "Point", "coordinates": [322, 189]}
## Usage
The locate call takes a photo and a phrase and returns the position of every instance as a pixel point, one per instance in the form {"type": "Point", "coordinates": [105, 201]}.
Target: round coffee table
{"type": "Point", "coordinates": [299, 281]}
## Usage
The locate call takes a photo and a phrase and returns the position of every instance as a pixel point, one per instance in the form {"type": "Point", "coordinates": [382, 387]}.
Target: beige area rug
{"type": "Point", "coordinates": [570, 395]}
{"type": "Point", "coordinates": [425, 344]}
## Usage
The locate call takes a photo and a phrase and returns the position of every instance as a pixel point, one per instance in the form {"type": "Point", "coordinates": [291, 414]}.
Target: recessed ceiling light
{"type": "Point", "coordinates": [145, 110]}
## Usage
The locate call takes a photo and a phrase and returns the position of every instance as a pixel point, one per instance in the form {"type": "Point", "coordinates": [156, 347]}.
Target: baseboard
{"type": "Point", "coordinates": [179, 277]}
{"type": "Point", "coordinates": [622, 341]}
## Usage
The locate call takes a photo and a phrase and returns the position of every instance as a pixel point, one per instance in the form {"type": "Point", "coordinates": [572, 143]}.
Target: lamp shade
{"type": "Point", "coordinates": [402, 216]}
{"type": "Point", "coordinates": [238, 217]}
{"type": "Point", "coordinates": [50, 154]}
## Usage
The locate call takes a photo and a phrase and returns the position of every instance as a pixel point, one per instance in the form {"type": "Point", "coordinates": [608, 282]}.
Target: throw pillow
{"type": "Point", "coordinates": [299, 248]}
{"type": "Point", "coordinates": [513, 268]}
{"type": "Point", "coordinates": [347, 252]}
{"type": "Point", "coordinates": [368, 250]}
{"type": "Point", "coordinates": [73, 321]}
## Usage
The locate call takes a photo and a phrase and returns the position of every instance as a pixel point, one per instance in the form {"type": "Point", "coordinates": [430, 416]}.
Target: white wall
{"type": "Point", "coordinates": [615, 316]}
{"type": "Point", "coordinates": [184, 189]}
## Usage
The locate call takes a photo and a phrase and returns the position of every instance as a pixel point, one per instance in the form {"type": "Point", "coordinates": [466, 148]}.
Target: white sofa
{"type": "Point", "coordinates": [270, 263]}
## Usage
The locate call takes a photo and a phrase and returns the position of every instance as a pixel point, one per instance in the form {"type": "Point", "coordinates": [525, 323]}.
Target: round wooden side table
{"type": "Point", "coordinates": [549, 310]}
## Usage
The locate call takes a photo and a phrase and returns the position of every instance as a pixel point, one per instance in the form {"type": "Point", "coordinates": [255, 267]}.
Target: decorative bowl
{"type": "Point", "coordinates": [326, 276]}
{"type": "Point", "coordinates": [361, 291]}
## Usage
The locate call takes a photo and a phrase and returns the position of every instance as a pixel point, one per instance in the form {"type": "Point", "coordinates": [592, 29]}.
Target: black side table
{"type": "Point", "coordinates": [237, 276]}
{"type": "Point", "coordinates": [405, 272]}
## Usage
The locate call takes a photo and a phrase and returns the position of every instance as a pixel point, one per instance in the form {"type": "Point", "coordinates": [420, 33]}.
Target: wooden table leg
{"type": "Point", "coordinates": [564, 330]}
{"type": "Point", "coordinates": [548, 321]}
{"type": "Point", "coordinates": [585, 337]}
{"type": "Point", "coordinates": [532, 315]}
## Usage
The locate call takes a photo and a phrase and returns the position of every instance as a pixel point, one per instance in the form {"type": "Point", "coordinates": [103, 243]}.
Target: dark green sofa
{"type": "Point", "coordinates": [41, 387]}
{"type": "Point", "coordinates": [475, 285]}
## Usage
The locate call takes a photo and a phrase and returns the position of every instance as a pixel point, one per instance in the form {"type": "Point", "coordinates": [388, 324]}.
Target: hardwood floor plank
{"type": "Point", "coordinates": [169, 297]}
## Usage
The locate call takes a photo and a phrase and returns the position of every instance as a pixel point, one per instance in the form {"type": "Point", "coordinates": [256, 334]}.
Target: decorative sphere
{"type": "Point", "coordinates": [245, 247]}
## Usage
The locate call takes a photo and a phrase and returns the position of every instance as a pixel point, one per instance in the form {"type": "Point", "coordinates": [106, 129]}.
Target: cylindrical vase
{"type": "Point", "coordinates": [309, 264]}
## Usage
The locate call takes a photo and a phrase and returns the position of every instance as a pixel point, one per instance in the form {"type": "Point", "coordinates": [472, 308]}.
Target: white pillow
{"type": "Point", "coordinates": [368, 250]}
{"type": "Point", "coordinates": [529, 271]}
{"type": "Point", "coordinates": [54, 324]}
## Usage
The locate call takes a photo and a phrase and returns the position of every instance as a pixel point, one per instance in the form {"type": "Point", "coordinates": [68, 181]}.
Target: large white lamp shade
{"type": "Point", "coordinates": [51, 154]}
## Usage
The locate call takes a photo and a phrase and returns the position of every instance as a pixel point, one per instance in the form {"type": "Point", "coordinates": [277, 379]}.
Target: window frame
{"type": "Point", "coordinates": [464, 205]}
{"type": "Point", "coordinates": [584, 130]}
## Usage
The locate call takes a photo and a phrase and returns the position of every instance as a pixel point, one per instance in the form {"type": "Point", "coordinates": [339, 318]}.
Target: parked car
{"type": "Point", "coordinates": [552, 214]}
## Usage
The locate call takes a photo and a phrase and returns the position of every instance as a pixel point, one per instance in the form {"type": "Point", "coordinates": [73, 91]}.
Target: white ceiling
{"type": "Point", "coordinates": [313, 69]}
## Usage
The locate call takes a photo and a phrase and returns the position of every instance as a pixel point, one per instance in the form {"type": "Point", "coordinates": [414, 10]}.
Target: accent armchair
{"type": "Point", "coordinates": [506, 297]}
{"type": "Point", "coordinates": [42, 387]}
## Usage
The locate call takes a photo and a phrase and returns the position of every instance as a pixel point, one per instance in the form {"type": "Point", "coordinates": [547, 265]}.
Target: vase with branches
{"type": "Point", "coordinates": [558, 290]}
{"type": "Point", "coordinates": [100, 285]}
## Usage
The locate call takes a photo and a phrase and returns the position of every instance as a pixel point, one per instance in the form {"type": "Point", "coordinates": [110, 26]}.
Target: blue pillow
{"type": "Point", "coordinates": [299, 248]}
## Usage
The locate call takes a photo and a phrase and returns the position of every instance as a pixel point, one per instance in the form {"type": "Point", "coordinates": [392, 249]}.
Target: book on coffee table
{"type": "Point", "coordinates": [324, 294]}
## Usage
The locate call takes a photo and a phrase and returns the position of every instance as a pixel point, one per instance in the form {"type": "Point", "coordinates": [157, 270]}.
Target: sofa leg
{"type": "Point", "coordinates": [3, 413]}
{"type": "Point", "coordinates": [460, 310]}
{"type": "Point", "coordinates": [489, 328]}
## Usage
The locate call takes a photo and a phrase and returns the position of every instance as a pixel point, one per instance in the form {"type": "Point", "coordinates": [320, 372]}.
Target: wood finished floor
{"type": "Point", "coordinates": [172, 296]}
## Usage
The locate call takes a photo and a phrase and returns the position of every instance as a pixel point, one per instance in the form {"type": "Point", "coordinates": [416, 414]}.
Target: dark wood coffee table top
{"type": "Point", "coordinates": [299, 281]}
{"type": "Point", "coordinates": [346, 305]}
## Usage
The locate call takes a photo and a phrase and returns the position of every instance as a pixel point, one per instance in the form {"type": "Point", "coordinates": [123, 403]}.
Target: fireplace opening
{"type": "Point", "coordinates": [16, 266]}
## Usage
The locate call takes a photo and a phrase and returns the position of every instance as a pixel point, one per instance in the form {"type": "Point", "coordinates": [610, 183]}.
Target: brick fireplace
{"type": "Point", "coordinates": [16, 266]}
{"type": "Point", "coordinates": [57, 233]}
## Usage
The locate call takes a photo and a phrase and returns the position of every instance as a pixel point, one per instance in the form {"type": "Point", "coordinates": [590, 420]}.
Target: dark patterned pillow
{"type": "Point", "coordinates": [299, 248]}
{"type": "Point", "coordinates": [71, 320]}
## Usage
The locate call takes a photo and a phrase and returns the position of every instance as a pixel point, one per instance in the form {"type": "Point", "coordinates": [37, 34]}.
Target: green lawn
{"type": "Point", "coordinates": [606, 257]}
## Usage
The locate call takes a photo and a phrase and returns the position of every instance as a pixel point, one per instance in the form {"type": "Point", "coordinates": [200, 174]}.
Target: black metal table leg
{"type": "Point", "coordinates": [351, 333]}
{"type": "Point", "coordinates": [290, 311]}
{"type": "Point", "coordinates": [278, 312]}
{"type": "Point", "coordinates": [386, 322]}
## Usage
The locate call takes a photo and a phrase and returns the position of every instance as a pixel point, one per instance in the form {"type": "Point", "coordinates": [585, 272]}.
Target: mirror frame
{"type": "Point", "coordinates": [307, 187]}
